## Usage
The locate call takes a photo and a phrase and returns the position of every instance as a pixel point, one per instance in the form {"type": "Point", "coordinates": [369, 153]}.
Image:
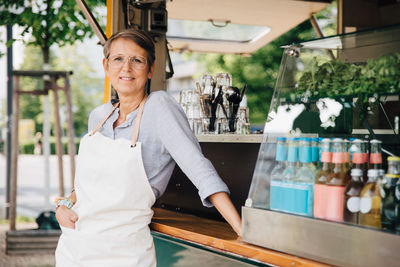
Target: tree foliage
{"type": "Point", "coordinates": [48, 21]}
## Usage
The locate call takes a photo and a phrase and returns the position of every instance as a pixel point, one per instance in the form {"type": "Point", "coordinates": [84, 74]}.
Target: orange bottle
{"type": "Point", "coordinates": [337, 180]}
{"type": "Point", "coordinates": [321, 179]}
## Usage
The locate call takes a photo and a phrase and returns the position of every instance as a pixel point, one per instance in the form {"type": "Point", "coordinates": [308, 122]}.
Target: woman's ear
{"type": "Point", "coordinates": [150, 74]}
{"type": "Point", "coordinates": [105, 66]}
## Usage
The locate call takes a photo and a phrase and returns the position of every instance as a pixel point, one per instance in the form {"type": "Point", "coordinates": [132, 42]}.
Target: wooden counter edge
{"type": "Point", "coordinates": [235, 246]}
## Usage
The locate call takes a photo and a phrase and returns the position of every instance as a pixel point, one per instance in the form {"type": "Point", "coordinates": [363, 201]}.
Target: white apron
{"type": "Point", "coordinates": [114, 200]}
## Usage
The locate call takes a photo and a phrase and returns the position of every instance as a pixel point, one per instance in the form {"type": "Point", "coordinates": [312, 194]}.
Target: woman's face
{"type": "Point", "coordinates": [129, 78]}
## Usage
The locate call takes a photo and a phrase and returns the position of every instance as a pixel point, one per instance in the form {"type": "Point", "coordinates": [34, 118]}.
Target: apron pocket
{"type": "Point", "coordinates": [93, 250]}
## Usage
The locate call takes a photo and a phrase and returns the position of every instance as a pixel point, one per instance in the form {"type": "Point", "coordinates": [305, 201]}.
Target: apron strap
{"type": "Point", "coordinates": [103, 121]}
{"type": "Point", "coordinates": [137, 121]}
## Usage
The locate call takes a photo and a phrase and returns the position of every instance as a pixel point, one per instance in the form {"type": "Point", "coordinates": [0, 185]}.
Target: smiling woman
{"type": "Point", "coordinates": [126, 162]}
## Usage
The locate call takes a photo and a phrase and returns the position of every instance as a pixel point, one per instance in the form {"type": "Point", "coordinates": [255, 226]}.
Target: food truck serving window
{"type": "Point", "coordinates": [214, 30]}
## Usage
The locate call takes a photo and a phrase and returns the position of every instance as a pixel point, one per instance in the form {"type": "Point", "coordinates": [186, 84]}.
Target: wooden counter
{"type": "Point", "coordinates": [219, 236]}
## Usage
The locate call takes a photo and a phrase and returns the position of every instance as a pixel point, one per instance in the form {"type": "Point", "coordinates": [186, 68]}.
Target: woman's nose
{"type": "Point", "coordinates": [127, 65]}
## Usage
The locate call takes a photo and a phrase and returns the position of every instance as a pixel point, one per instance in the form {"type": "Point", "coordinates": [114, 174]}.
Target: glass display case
{"type": "Point", "coordinates": [322, 188]}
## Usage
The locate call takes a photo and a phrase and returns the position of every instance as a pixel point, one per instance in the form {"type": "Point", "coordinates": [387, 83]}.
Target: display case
{"type": "Point", "coordinates": [335, 108]}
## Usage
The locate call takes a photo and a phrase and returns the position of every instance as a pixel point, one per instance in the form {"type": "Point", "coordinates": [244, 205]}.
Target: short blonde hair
{"type": "Point", "coordinates": [139, 37]}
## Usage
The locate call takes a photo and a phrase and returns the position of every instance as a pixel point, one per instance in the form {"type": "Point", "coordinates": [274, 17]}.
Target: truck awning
{"type": "Point", "coordinates": [234, 27]}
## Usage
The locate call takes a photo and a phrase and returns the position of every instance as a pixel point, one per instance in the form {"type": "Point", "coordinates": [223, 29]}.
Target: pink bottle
{"type": "Point", "coordinates": [321, 178]}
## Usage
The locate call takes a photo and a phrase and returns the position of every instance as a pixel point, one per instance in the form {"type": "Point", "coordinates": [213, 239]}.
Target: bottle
{"type": "Point", "coordinates": [347, 154]}
{"type": "Point", "coordinates": [359, 161]}
{"type": "Point", "coordinates": [375, 157]}
{"type": "Point", "coordinates": [316, 166]}
{"type": "Point", "coordinates": [304, 180]}
{"type": "Point", "coordinates": [321, 179]}
{"type": "Point", "coordinates": [337, 180]}
{"type": "Point", "coordinates": [289, 175]}
{"type": "Point", "coordinates": [276, 188]}
{"type": "Point", "coordinates": [352, 197]}
{"type": "Point", "coordinates": [370, 201]}
{"type": "Point", "coordinates": [390, 203]}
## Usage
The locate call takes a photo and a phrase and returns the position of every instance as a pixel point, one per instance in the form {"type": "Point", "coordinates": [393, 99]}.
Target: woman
{"type": "Point", "coordinates": [125, 163]}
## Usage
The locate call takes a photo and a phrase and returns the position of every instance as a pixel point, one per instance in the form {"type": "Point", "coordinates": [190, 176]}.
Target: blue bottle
{"type": "Point", "coordinates": [315, 155]}
{"type": "Point", "coordinates": [289, 176]}
{"type": "Point", "coordinates": [276, 194]}
{"type": "Point", "coordinates": [304, 181]}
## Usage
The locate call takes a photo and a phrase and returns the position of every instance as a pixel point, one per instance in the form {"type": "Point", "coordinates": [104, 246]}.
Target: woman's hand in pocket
{"type": "Point", "coordinates": [66, 217]}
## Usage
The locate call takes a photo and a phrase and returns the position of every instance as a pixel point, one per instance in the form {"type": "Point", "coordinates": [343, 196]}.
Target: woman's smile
{"type": "Point", "coordinates": [126, 78]}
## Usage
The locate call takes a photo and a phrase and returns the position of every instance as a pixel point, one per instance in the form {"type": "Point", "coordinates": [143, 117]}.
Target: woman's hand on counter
{"type": "Point", "coordinates": [224, 205]}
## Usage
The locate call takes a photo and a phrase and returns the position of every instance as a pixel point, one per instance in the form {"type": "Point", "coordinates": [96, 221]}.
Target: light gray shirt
{"type": "Point", "coordinates": [166, 138]}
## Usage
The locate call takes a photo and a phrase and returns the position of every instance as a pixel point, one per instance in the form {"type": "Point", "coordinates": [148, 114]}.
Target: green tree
{"type": "Point", "coordinates": [48, 21]}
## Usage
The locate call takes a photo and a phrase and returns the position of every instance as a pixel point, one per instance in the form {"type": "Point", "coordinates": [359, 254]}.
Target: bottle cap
{"type": "Point", "coordinates": [281, 139]}
{"type": "Point", "coordinates": [308, 139]}
{"type": "Point", "coordinates": [357, 141]}
{"type": "Point", "coordinates": [373, 173]}
{"type": "Point", "coordinates": [381, 172]}
{"type": "Point", "coordinates": [393, 158]}
{"type": "Point", "coordinates": [326, 140]}
{"type": "Point", "coordinates": [356, 172]}
{"type": "Point", "coordinates": [375, 141]}
{"type": "Point", "coordinates": [392, 176]}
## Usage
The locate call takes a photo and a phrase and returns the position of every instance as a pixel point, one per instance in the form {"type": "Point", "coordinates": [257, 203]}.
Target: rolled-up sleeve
{"type": "Point", "coordinates": [175, 134]}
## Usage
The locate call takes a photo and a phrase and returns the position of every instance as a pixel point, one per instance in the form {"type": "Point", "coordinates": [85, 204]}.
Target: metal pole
{"type": "Point", "coordinates": [46, 147]}
{"type": "Point", "coordinates": [59, 145]}
{"type": "Point", "coordinates": [9, 119]}
{"type": "Point", "coordinates": [70, 130]}
{"type": "Point", "coordinates": [14, 158]}
{"type": "Point", "coordinates": [46, 136]}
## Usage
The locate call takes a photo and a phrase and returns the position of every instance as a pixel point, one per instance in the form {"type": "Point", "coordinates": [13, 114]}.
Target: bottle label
{"type": "Point", "coordinates": [334, 202]}
{"type": "Point", "coordinates": [276, 194]}
{"type": "Point", "coordinates": [326, 156]}
{"type": "Point", "coordinates": [292, 197]}
{"type": "Point", "coordinates": [375, 158]}
{"type": "Point", "coordinates": [358, 158]}
{"type": "Point", "coordinates": [365, 204]}
{"type": "Point", "coordinates": [365, 156]}
{"type": "Point", "coordinates": [305, 154]}
{"type": "Point", "coordinates": [281, 153]}
{"type": "Point", "coordinates": [314, 153]}
{"type": "Point", "coordinates": [339, 157]}
{"type": "Point", "coordinates": [353, 204]}
{"type": "Point", "coordinates": [320, 200]}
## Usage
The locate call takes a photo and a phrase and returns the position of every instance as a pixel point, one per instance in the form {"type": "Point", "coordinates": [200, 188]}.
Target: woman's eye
{"type": "Point", "coordinates": [117, 59]}
{"type": "Point", "coordinates": [138, 60]}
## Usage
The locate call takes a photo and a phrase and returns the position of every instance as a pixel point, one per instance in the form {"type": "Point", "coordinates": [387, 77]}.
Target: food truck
{"type": "Point", "coordinates": [322, 96]}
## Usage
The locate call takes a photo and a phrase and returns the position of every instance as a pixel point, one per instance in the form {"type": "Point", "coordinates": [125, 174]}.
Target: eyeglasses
{"type": "Point", "coordinates": [117, 61]}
